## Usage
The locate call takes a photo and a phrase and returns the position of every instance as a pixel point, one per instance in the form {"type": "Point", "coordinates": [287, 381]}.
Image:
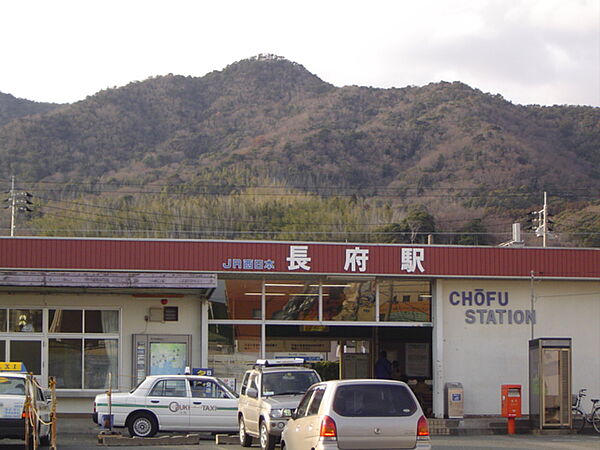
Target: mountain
{"type": "Point", "coordinates": [448, 144]}
{"type": "Point", "coordinates": [13, 108]}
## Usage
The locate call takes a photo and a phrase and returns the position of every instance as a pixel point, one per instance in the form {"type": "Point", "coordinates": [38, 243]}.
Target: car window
{"type": "Point", "coordinates": [373, 400]}
{"type": "Point", "coordinates": [226, 388]}
{"type": "Point", "coordinates": [315, 401]}
{"type": "Point", "coordinates": [292, 382]}
{"type": "Point", "coordinates": [303, 405]}
{"type": "Point", "coordinates": [206, 389]}
{"type": "Point", "coordinates": [12, 386]}
{"type": "Point", "coordinates": [244, 383]}
{"type": "Point", "coordinates": [252, 383]}
{"type": "Point", "coordinates": [169, 388]}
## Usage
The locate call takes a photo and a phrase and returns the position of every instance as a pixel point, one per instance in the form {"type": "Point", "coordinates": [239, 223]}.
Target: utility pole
{"type": "Point", "coordinates": [546, 225]}
{"type": "Point", "coordinates": [532, 300]}
{"type": "Point", "coordinates": [540, 222]}
{"type": "Point", "coordinates": [13, 201]}
{"type": "Point", "coordinates": [545, 221]}
{"type": "Point", "coordinates": [18, 201]}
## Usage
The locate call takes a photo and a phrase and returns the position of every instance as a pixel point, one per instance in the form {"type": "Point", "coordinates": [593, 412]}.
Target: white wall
{"type": "Point", "coordinates": [483, 356]}
{"type": "Point", "coordinates": [133, 312]}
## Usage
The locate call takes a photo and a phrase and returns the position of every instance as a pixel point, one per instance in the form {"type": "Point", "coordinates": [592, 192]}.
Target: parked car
{"type": "Point", "coordinates": [358, 414]}
{"type": "Point", "coordinates": [270, 392]}
{"type": "Point", "coordinates": [14, 388]}
{"type": "Point", "coordinates": [171, 403]}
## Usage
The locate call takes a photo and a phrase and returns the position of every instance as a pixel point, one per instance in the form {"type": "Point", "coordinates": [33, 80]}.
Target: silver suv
{"type": "Point", "coordinates": [270, 392]}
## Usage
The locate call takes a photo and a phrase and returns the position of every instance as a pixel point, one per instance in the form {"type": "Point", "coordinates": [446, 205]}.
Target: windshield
{"type": "Point", "coordinates": [12, 386]}
{"type": "Point", "coordinates": [288, 383]}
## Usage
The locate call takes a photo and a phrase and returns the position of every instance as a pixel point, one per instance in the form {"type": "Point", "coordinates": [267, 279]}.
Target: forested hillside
{"type": "Point", "coordinates": [265, 146]}
{"type": "Point", "coordinates": [12, 108]}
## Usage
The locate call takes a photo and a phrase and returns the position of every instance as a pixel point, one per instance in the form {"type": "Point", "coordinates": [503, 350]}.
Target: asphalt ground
{"type": "Point", "coordinates": [515, 442]}
{"type": "Point", "coordinates": [82, 434]}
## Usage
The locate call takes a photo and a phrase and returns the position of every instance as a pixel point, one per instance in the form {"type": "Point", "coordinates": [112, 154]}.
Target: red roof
{"type": "Point", "coordinates": [26, 253]}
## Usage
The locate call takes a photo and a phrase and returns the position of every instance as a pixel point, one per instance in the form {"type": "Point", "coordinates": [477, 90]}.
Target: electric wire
{"type": "Point", "coordinates": [215, 219]}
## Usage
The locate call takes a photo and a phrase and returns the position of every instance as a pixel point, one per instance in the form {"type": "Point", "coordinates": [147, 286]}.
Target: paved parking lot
{"type": "Point", "coordinates": [518, 442]}
{"type": "Point", "coordinates": [81, 434]}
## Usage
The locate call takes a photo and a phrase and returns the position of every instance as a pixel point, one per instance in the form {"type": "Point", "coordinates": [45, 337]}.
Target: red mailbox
{"type": "Point", "coordinates": [511, 404]}
{"type": "Point", "coordinates": [511, 400]}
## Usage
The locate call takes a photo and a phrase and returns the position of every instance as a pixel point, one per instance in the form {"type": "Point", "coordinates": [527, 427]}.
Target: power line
{"type": "Point", "coordinates": [340, 191]}
{"type": "Point", "coordinates": [212, 219]}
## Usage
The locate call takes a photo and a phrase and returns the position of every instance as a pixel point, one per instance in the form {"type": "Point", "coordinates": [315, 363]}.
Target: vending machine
{"type": "Point", "coordinates": [160, 354]}
{"type": "Point", "coordinates": [550, 383]}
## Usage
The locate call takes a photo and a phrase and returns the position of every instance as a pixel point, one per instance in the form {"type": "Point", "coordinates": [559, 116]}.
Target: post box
{"type": "Point", "coordinates": [511, 400]}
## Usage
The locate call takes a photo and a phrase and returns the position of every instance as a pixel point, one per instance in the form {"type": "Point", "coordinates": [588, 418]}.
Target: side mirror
{"type": "Point", "coordinates": [294, 415]}
{"type": "Point", "coordinates": [252, 392]}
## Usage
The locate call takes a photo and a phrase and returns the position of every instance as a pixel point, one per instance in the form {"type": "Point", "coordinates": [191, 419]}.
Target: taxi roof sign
{"type": "Point", "coordinates": [12, 367]}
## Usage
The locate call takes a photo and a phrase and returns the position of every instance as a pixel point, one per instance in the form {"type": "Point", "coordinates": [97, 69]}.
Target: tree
{"type": "Point", "coordinates": [419, 222]}
{"type": "Point", "coordinates": [413, 228]}
{"type": "Point", "coordinates": [477, 237]}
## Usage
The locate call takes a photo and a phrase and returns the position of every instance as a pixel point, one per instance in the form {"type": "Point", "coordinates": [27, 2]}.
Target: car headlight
{"type": "Point", "coordinates": [280, 413]}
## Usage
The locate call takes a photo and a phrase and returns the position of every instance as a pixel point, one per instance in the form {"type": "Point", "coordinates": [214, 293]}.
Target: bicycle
{"type": "Point", "coordinates": [580, 418]}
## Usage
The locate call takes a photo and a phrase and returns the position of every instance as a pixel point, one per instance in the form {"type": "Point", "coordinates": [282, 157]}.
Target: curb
{"type": "Point", "coordinates": [118, 440]}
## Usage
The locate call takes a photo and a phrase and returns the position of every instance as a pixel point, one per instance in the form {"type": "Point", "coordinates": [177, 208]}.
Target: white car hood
{"type": "Point", "coordinates": [284, 401]}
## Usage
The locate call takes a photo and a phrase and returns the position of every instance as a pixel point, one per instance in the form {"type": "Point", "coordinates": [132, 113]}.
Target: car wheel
{"type": "Point", "coordinates": [245, 439]}
{"type": "Point", "coordinates": [142, 425]}
{"type": "Point", "coordinates": [267, 441]}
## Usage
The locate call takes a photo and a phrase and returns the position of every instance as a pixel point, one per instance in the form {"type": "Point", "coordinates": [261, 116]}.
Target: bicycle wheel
{"type": "Point", "coordinates": [596, 419]}
{"type": "Point", "coordinates": [578, 418]}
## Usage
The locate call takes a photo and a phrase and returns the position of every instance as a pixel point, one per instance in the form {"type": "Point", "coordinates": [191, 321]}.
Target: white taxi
{"type": "Point", "coordinates": [171, 403]}
{"type": "Point", "coordinates": [14, 386]}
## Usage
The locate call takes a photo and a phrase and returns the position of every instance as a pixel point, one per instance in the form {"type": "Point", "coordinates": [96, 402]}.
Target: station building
{"type": "Point", "coordinates": [92, 311]}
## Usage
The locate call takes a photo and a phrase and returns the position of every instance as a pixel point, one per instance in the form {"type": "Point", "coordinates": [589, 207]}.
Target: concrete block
{"type": "Point", "coordinates": [116, 440]}
{"type": "Point", "coordinates": [227, 439]}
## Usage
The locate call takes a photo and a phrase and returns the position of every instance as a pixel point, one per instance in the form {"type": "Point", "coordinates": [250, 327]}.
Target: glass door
{"type": "Point", "coordinates": [27, 351]}
{"type": "Point", "coordinates": [555, 384]}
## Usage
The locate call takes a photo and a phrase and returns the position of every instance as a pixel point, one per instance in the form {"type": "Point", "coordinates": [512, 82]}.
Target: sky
{"type": "Point", "coordinates": [542, 52]}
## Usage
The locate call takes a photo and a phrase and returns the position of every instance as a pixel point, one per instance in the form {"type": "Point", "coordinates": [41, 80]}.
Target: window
{"type": "Point", "coordinates": [81, 350]}
{"type": "Point", "coordinates": [100, 359]}
{"type": "Point", "coordinates": [101, 321]}
{"type": "Point", "coordinates": [404, 300]}
{"type": "Point", "coordinates": [291, 300]}
{"type": "Point", "coordinates": [65, 362]}
{"type": "Point", "coordinates": [303, 405]}
{"type": "Point", "coordinates": [169, 388]}
{"type": "Point", "coordinates": [27, 352]}
{"type": "Point", "coordinates": [373, 400]}
{"type": "Point", "coordinates": [25, 320]}
{"type": "Point", "coordinates": [65, 321]}
{"type": "Point", "coordinates": [349, 301]}
{"type": "Point", "coordinates": [244, 383]}
{"type": "Point", "coordinates": [3, 320]}
{"type": "Point", "coordinates": [171, 314]}
{"type": "Point", "coordinates": [316, 401]}
{"type": "Point", "coordinates": [253, 383]}
{"type": "Point", "coordinates": [206, 389]}
{"type": "Point", "coordinates": [12, 386]}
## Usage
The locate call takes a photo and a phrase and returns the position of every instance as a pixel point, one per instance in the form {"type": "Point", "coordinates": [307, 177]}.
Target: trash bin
{"type": "Point", "coordinates": [454, 404]}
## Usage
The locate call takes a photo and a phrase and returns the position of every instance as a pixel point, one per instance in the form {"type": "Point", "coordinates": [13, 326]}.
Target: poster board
{"type": "Point", "coordinates": [417, 360]}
